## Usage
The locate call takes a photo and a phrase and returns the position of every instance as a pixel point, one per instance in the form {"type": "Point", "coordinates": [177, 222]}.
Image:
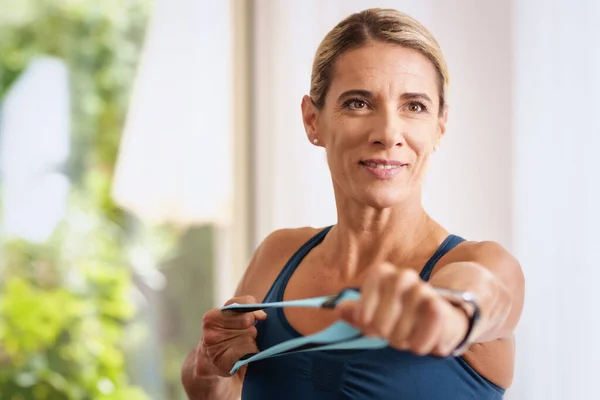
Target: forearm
{"type": "Point", "coordinates": [492, 296]}
{"type": "Point", "coordinates": [200, 383]}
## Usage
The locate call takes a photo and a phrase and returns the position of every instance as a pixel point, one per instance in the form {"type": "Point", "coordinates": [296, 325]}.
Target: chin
{"type": "Point", "coordinates": [381, 199]}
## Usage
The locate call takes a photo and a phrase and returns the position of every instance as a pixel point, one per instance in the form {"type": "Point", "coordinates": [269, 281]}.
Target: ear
{"type": "Point", "coordinates": [442, 121]}
{"type": "Point", "coordinates": [310, 116]}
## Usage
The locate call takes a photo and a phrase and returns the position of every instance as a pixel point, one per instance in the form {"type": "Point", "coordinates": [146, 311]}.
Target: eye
{"type": "Point", "coordinates": [416, 107]}
{"type": "Point", "coordinates": [356, 104]}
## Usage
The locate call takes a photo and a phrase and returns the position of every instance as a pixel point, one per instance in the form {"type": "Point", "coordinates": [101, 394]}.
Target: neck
{"type": "Point", "coordinates": [364, 235]}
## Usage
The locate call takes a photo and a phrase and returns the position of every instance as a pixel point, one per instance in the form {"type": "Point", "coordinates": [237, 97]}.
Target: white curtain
{"type": "Point", "coordinates": [175, 161]}
{"type": "Point", "coordinates": [176, 158]}
{"type": "Point", "coordinates": [517, 164]}
{"type": "Point", "coordinates": [557, 193]}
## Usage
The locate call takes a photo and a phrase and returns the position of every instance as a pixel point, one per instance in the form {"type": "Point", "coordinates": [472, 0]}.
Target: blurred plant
{"type": "Point", "coordinates": [100, 42]}
{"type": "Point", "coordinates": [63, 310]}
{"type": "Point", "coordinates": [64, 303]}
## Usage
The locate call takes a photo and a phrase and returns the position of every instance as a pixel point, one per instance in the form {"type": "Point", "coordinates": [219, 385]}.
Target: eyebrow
{"type": "Point", "coordinates": [416, 96]}
{"type": "Point", "coordinates": [356, 92]}
{"type": "Point", "coordinates": [369, 95]}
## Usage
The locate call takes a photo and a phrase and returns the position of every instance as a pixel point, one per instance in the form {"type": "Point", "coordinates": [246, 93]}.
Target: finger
{"type": "Point", "coordinates": [248, 299]}
{"type": "Point", "coordinates": [389, 308]}
{"type": "Point", "coordinates": [426, 333]}
{"type": "Point", "coordinates": [346, 311]}
{"type": "Point", "coordinates": [241, 300]}
{"type": "Point", "coordinates": [260, 315]}
{"type": "Point", "coordinates": [244, 300]}
{"type": "Point", "coordinates": [236, 320]}
{"type": "Point", "coordinates": [227, 320]}
{"type": "Point", "coordinates": [369, 294]}
{"type": "Point", "coordinates": [223, 351]}
{"type": "Point", "coordinates": [217, 336]}
{"type": "Point", "coordinates": [408, 317]}
{"type": "Point", "coordinates": [243, 347]}
{"type": "Point", "coordinates": [227, 356]}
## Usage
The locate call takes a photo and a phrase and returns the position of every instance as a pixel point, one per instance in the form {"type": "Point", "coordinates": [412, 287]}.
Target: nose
{"type": "Point", "coordinates": [388, 130]}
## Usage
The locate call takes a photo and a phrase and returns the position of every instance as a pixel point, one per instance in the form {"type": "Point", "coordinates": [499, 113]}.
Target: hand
{"type": "Point", "coordinates": [227, 336]}
{"type": "Point", "coordinates": [397, 305]}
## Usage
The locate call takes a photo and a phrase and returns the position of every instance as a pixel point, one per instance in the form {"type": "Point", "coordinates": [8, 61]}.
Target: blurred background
{"type": "Point", "coordinates": [148, 146]}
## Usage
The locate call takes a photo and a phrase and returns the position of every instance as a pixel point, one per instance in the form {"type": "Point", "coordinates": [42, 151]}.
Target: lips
{"type": "Point", "coordinates": [382, 169]}
{"type": "Point", "coordinates": [382, 164]}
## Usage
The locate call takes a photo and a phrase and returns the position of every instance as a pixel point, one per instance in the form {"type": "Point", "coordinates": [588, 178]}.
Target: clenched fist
{"type": "Point", "coordinates": [227, 336]}
{"type": "Point", "coordinates": [398, 306]}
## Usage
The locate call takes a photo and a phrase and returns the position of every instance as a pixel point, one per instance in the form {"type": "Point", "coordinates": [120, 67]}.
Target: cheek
{"type": "Point", "coordinates": [421, 138]}
{"type": "Point", "coordinates": [344, 141]}
{"type": "Point", "coordinates": [345, 134]}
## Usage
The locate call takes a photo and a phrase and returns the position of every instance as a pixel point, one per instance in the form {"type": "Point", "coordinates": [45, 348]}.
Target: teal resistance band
{"type": "Point", "coordinates": [339, 335]}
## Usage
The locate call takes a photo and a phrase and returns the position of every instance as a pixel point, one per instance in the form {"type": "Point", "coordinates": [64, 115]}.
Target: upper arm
{"type": "Point", "coordinates": [268, 260]}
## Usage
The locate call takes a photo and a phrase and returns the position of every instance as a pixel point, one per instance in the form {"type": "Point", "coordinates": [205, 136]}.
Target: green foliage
{"type": "Point", "coordinates": [100, 41]}
{"type": "Point", "coordinates": [64, 304]}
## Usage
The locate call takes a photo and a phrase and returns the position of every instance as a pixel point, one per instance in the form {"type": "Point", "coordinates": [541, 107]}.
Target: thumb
{"type": "Point", "coordinates": [260, 315]}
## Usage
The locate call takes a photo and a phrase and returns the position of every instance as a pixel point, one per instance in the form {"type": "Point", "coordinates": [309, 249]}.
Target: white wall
{"type": "Point", "coordinates": [556, 196]}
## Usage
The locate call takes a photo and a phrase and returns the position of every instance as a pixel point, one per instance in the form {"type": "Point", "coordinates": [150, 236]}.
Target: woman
{"type": "Point", "coordinates": [377, 106]}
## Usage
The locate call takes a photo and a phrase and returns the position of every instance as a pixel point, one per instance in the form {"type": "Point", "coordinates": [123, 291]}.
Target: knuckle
{"type": "Point", "coordinates": [421, 349]}
{"type": "Point", "coordinates": [404, 272]}
{"type": "Point", "coordinates": [246, 344]}
{"type": "Point", "coordinates": [396, 342]}
{"type": "Point", "coordinates": [249, 340]}
{"type": "Point", "coordinates": [431, 308]}
{"type": "Point", "coordinates": [446, 348]}
{"type": "Point", "coordinates": [423, 296]}
{"type": "Point", "coordinates": [209, 317]}
{"type": "Point", "coordinates": [422, 291]}
{"type": "Point", "coordinates": [386, 267]}
{"type": "Point", "coordinates": [435, 312]}
{"type": "Point", "coordinates": [416, 347]}
{"type": "Point", "coordinates": [246, 299]}
{"type": "Point", "coordinates": [411, 294]}
{"type": "Point", "coordinates": [373, 328]}
{"type": "Point", "coordinates": [407, 275]}
{"type": "Point", "coordinates": [445, 351]}
{"type": "Point", "coordinates": [211, 337]}
{"type": "Point", "coordinates": [241, 300]}
{"type": "Point", "coordinates": [247, 320]}
{"type": "Point", "coordinates": [362, 319]}
{"type": "Point", "coordinates": [393, 284]}
{"type": "Point", "coordinates": [252, 332]}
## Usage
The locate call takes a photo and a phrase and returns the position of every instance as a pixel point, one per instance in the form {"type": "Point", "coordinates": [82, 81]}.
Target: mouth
{"type": "Point", "coordinates": [382, 164]}
{"type": "Point", "coordinates": [383, 169]}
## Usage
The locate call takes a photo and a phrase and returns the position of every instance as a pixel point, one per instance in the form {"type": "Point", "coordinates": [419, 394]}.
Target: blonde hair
{"type": "Point", "coordinates": [375, 24]}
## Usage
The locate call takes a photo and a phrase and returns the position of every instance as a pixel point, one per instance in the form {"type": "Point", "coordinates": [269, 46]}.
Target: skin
{"type": "Point", "coordinates": [381, 104]}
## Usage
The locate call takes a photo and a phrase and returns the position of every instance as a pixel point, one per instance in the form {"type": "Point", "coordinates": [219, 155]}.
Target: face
{"type": "Point", "coordinates": [380, 123]}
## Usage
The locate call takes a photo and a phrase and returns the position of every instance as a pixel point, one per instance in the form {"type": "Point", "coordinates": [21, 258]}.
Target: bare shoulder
{"type": "Point", "coordinates": [270, 257]}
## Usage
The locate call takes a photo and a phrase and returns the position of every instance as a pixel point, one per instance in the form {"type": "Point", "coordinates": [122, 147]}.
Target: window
{"type": "Point", "coordinates": [124, 215]}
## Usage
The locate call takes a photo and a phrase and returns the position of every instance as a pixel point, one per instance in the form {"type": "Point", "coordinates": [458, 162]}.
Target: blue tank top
{"type": "Point", "coordinates": [355, 374]}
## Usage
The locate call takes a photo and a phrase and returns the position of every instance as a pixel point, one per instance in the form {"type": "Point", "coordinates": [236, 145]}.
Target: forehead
{"type": "Point", "coordinates": [383, 67]}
